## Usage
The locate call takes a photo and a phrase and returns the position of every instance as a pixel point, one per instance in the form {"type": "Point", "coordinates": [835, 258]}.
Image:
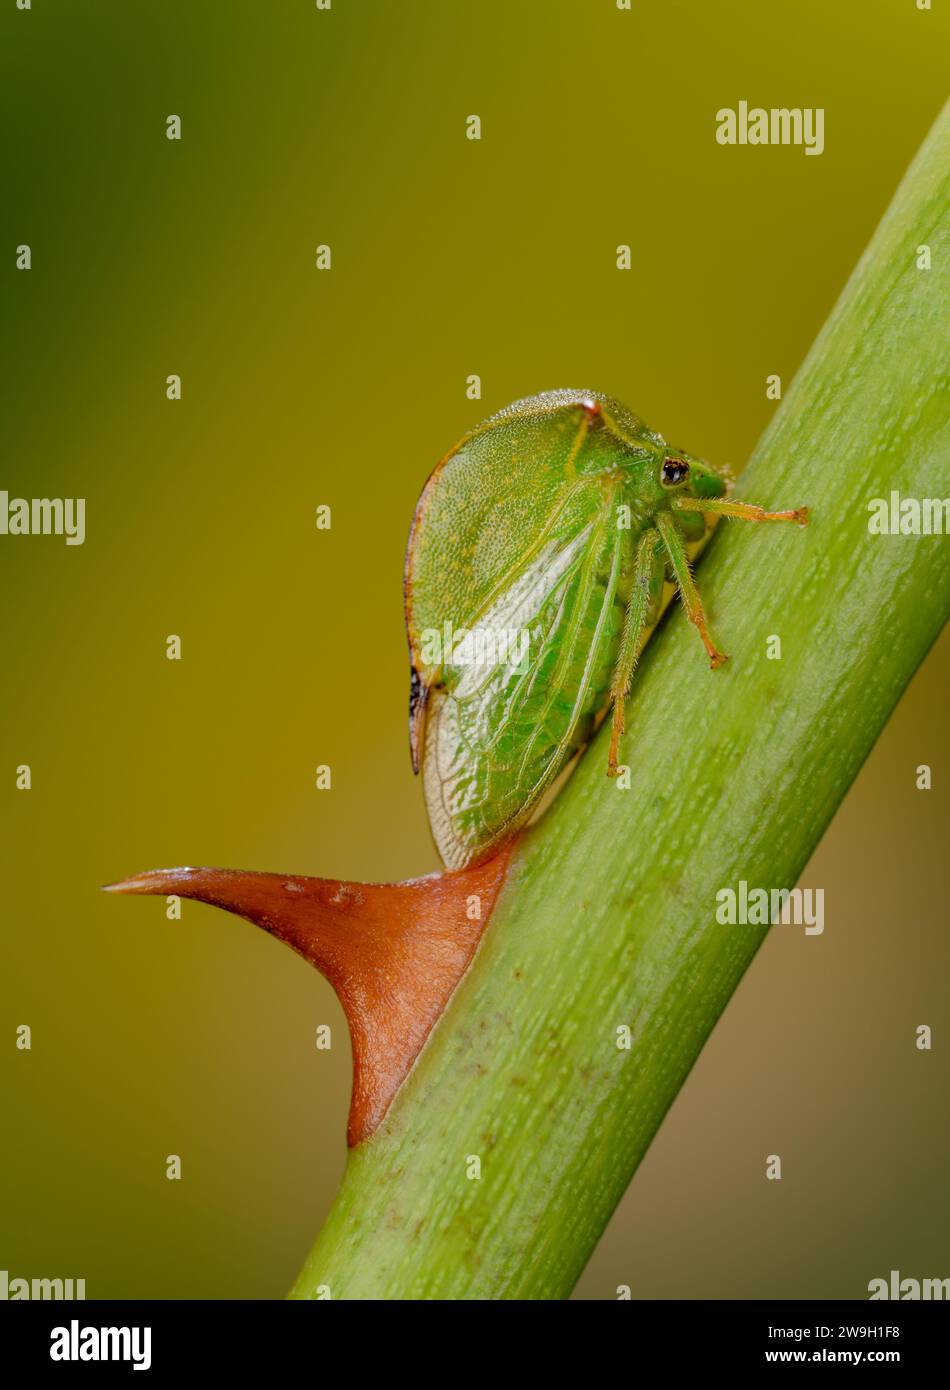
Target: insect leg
{"type": "Point", "coordinates": [641, 608]}
{"type": "Point", "coordinates": [745, 511]}
{"type": "Point", "coordinates": [679, 560]}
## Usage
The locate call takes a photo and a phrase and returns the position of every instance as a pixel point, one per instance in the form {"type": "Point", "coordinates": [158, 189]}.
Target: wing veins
{"type": "Point", "coordinates": [567, 650]}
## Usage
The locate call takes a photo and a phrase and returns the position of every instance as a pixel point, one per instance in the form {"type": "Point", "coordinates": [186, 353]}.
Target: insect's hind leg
{"type": "Point", "coordinates": [642, 608]}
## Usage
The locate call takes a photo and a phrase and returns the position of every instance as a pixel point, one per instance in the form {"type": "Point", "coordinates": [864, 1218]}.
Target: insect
{"type": "Point", "coordinates": [536, 561]}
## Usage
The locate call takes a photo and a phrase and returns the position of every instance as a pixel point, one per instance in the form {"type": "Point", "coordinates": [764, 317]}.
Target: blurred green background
{"type": "Point", "coordinates": [301, 387]}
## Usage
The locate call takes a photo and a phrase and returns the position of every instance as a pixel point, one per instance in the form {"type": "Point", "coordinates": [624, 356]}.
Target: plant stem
{"type": "Point", "coordinates": [609, 913]}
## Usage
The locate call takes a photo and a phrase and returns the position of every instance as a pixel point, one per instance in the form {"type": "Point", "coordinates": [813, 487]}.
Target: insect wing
{"type": "Point", "coordinates": [500, 728]}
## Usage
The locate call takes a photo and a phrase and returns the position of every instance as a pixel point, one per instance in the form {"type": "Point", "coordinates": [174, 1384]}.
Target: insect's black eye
{"type": "Point", "coordinates": [674, 471]}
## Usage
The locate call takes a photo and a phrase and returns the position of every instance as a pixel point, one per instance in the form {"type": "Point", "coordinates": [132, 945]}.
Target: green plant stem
{"type": "Point", "coordinates": [608, 917]}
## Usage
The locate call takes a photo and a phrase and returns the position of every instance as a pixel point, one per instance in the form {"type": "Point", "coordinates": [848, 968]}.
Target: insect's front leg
{"type": "Point", "coordinates": [642, 608]}
{"type": "Point", "coordinates": [679, 562]}
{"type": "Point", "coordinates": [745, 511]}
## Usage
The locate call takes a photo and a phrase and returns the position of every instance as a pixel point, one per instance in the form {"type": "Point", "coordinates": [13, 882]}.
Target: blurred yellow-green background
{"type": "Point", "coordinates": [300, 387]}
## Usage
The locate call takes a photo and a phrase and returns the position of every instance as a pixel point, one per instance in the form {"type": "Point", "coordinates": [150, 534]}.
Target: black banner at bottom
{"type": "Point", "coordinates": [158, 1338]}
